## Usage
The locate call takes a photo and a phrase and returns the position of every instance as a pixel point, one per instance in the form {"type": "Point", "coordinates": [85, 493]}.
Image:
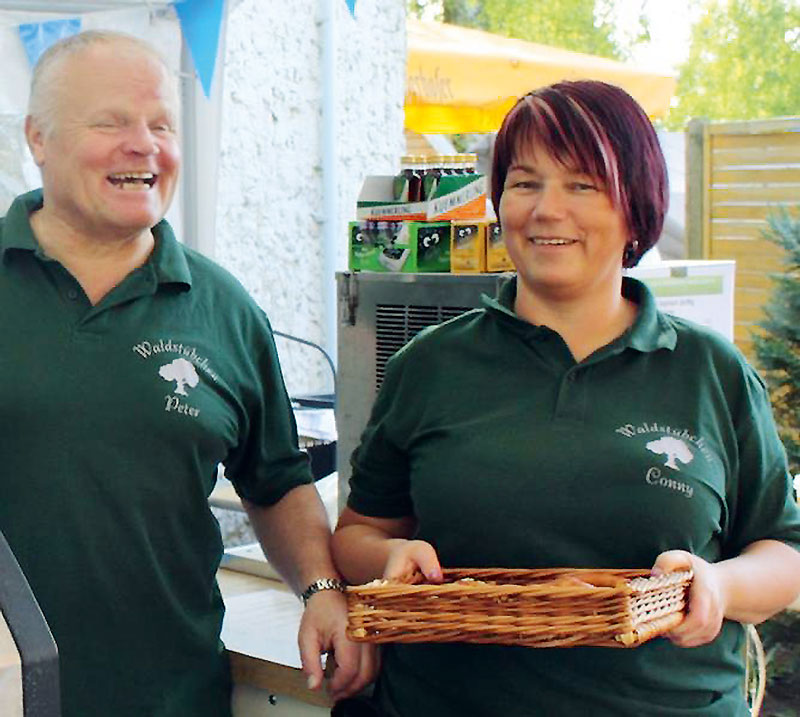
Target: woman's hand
{"type": "Point", "coordinates": [367, 548]}
{"type": "Point", "coordinates": [750, 588]}
{"type": "Point", "coordinates": [707, 598]}
{"type": "Point", "coordinates": [409, 556]}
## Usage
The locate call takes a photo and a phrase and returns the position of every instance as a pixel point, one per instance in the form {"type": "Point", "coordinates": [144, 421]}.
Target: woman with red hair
{"type": "Point", "coordinates": [570, 423]}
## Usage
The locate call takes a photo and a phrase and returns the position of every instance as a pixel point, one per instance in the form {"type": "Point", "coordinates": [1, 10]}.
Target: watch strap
{"type": "Point", "coordinates": [319, 586]}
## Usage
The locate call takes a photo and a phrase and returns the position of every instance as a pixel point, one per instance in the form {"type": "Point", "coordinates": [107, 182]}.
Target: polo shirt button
{"type": "Point", "coordinates": [72, 294]}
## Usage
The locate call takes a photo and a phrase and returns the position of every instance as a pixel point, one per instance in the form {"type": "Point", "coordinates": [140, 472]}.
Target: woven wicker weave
{"type": "Point", "coordinates": [563, 607]}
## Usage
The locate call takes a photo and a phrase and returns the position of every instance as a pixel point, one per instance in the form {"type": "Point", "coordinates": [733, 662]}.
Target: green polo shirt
{"type": "Point", "coordinates": [511, 454]}
{"type": "Point", "coordinates": [115, 418]}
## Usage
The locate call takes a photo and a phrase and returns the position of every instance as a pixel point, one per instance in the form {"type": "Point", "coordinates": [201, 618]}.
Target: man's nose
{"type": "Point", "coordinates": [140, 139]}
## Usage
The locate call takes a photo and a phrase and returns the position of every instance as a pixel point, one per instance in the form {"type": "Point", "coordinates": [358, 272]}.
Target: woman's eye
{"type": "Point", "coordinates": [526, 184]}
{"type": "Point", "coordinates": [584, 187]}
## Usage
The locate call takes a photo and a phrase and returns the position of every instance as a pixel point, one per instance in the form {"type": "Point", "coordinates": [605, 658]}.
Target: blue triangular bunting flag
{"type": "Point", "coordinates": [201, 22]}
{"type": "Point", "coordinates": [38, 36]}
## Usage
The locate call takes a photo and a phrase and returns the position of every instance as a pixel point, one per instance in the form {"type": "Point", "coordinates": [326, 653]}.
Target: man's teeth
{"type": "Point", "coordinates": [133, 180]}
{"type": "Point", "coordinates": [552, 242]}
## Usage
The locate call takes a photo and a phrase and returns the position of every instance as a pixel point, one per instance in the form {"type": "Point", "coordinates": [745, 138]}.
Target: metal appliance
{"type": "Point", "coordinates": [28, 652]}
{"type": "Point", "coordinates": [379, 314]}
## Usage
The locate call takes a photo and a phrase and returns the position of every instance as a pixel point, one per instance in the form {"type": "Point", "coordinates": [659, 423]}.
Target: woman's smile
{"type": "Point", "coordinates": [561, 228]}
{"type": "Point", "coordinates": [551, 241]}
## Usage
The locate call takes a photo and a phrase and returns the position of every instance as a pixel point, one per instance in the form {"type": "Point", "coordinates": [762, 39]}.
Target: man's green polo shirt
{"type": "Point", "coordinates": [511, 454]}
{"type": "Point", "coordinates": [114, 419]}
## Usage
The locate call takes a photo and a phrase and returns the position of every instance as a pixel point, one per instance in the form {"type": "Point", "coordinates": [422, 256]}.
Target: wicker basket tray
{"type": "Point", "coordinates": [562, 607]}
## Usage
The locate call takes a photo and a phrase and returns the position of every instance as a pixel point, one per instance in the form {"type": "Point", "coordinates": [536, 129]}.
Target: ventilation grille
{"type": "Point", "coordinates": [397, 324]}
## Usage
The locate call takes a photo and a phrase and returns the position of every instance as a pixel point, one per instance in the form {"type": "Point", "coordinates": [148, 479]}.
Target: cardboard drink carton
{"type": "Point", "coordinates": [497, 258]}
{"type": "Point", "coordinates": [461, 196]}
{"type": "Point", "coordinates": [468, 247]}
{"type": "Point", "coordinates": [368, 241]}
{"type": "Point", "coordinates": [399, 246]}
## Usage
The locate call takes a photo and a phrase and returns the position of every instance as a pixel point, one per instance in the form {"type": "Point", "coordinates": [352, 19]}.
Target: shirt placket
{"type": "Point", "coordinates": [86, 320]}
{"type": "Point", "coordinates": [571, 400]}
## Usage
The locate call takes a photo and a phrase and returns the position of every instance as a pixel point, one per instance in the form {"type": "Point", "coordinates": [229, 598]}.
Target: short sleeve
{"type": "Point", "coordinates": [766, 507]}
{"type": "Point", "coordinates": [380, 485]}
{"type": "Point", "coordinates": [266, 463]}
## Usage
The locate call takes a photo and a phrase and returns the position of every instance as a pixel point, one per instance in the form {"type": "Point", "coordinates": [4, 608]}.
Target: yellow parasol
{"type": "Point", "coordinates": [465, 80]}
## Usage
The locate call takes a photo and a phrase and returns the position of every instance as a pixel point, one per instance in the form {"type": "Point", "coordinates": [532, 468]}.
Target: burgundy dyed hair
{"type": "Point", "coordinates": [600, 130]}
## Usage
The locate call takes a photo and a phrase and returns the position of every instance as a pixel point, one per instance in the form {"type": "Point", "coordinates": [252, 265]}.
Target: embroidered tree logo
{"type": "Point", "coordinates": [674, 448]}
{"type": "Point", "coordinates": [182, 372]}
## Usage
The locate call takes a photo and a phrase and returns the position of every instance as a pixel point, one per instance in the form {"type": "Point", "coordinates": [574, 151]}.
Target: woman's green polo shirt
{"type": "Point", "coordinates": [114, 419]}
{"type": "Point", "coordinates": [511, 454]}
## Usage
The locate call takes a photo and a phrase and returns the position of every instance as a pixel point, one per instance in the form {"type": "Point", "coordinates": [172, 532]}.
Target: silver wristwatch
{"type": "Point", "coordinates": [320, 585]}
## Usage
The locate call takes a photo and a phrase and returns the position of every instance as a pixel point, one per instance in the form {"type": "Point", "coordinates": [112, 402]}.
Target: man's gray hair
{"type": "Point", "coordinates": [46, 74]}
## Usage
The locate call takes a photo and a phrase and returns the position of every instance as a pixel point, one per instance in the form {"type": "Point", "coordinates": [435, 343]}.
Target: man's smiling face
{"type": "Point", "coordinates": [109, 155]}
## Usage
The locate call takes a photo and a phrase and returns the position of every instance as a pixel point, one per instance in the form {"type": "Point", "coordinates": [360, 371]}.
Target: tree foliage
{"type": "Point", "coordinates": [778, 347]}
{"type": "Point", "coordinates": [579, 25]}
{"type": "Point", "coordinates": [743, 63]}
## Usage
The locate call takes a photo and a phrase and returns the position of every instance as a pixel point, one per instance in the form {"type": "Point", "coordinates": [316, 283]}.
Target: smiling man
{"type": "Point", "coordinates": [130, 368]}
{"type": "Point", "coordinates": [102, 128]}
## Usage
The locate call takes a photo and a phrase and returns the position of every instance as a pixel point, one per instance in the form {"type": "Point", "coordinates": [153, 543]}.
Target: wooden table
{"type": "Point", "coordinates": [10, 674]}
{"type": "Point", "coordinates": [260, 634]}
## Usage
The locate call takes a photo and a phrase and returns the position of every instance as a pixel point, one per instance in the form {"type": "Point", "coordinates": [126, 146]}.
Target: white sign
{"type": "Point", "coordinates": [701, 291]}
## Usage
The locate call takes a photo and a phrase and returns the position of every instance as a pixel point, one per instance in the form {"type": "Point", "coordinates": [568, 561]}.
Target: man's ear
{"type": "Point", "coordinates": [34, 134]}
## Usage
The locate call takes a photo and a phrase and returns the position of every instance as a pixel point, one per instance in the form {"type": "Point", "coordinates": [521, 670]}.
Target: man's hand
{"type": "Point", "coordinates": [322, 630]}
{"type": "Point", "coordinates": [294, 533]}
{"type": "Point", "coordinates": [707, 599]}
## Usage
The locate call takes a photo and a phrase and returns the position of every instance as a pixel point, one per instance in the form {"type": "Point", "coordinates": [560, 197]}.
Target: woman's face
{"type": "Point", "coordinates": [562, 231]}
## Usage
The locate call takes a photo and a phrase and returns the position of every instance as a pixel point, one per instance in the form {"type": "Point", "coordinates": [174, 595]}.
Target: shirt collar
{"type": "Point", "coordinates": [168, 260]}
{"type": "Point", "coordinates": [650, 331]}
{"type": "Point", "coordinates": [16, 228]}
{"type": "Point", "coordinates": [169, 257]}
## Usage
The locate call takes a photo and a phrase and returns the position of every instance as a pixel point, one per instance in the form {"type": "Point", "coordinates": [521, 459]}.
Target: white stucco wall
{"type": "Point", "coordinates": [269, 212]}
